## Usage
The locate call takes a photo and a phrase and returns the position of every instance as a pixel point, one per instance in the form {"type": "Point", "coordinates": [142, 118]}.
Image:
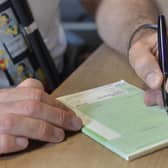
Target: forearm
{"type": "Point", "coordinates": [118, 19]}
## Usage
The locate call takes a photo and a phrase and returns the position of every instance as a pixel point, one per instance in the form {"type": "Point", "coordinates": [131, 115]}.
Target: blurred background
{"type": "Point", "coordinates": [81, 34]}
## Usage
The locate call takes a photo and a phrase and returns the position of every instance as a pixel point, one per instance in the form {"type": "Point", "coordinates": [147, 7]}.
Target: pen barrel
{"type": "Point", "coordinates": [163, 56]}
{"type": "Point", "coordinates": [164, 92]}
{"type": "Point", "coordinates": [162, 44]}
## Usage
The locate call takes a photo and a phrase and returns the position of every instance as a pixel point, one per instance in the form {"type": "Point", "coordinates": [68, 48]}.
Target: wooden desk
{"type": "Point", "coordinates": [79, 151]}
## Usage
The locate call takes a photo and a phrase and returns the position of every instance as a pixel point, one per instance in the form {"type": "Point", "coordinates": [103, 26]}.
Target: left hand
{"type": "Point", "coordinates": [27, 112]}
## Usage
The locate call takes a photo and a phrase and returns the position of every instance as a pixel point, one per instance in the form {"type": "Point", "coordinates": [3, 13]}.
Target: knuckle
{"type": "Point", "coordinates": [30, 81]}
{"type": "Point", "coordinates": [32, 107]}
{"type": "Point", "coordinates": [33, 82]}
{"type": "Point", "coordinates": [4, 145]}
{"type": "Point", "coordinates": [37, 94]}
{"type": "Point", "coordinates": [61, 117]}
{"type": "Point", "coordinates": [4, 148]}
{"type": "Point", "coordinates": [7, 122]}
{"type": "Point", "coordinates": [43, 130]}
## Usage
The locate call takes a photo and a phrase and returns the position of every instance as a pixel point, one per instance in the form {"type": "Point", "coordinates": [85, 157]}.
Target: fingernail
{"type": "Point", "coordinates": [153, 80]}
{"type": "Point", "coordinates": [76, 123]}
{"type": "Point", "coordinates": [59, 135]}
{"type": "Point", "coordinates": [22, 142]}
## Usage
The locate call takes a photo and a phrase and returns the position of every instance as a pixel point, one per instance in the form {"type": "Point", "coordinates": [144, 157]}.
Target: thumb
{"type": "Point", "coordinates": [146, 66]}
{"type": "Point", "coordinates": [153, 97]}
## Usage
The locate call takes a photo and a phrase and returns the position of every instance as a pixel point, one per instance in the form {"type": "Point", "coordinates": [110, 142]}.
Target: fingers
{"type": "Point", "coordinates": [143, 57]}
{"type": "Point", "coordinates": [32, 83]}
{"type": "Point", "coordinates": [9, 144]}
{"type": "Point", "coordinates": [153, 97]}
{"type": "Point", "coordinates": [19, 94]}
{"type": "Point", "coordinates": [23, 94]}
{"type": "Point", "coordinates": [38, 110]}
{"type": "Point", "coordinates": [30, 112]}
{"type": "Point", "coordinates": [146, 66]}
{"type": "Point", "coordinates": [16, 125]}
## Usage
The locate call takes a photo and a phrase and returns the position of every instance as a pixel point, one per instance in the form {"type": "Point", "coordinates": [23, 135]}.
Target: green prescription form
{"type": "Point", "coordinates": [115, 116]}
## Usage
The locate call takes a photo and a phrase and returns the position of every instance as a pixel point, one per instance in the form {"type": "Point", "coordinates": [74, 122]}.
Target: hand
{"type": "Point", "coordinates": [27, 112]}
{"type": "Point", "coordinates": [143, 57]}
{"type": "Point", "coordinates": [153, 97]}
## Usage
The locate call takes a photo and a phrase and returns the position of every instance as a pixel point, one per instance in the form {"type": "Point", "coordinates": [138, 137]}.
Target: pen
{"type": "Point", "coordinates": [163, 56]}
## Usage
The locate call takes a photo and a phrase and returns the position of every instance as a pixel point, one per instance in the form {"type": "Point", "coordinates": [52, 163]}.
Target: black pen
{"type": "Point", "coordinates": [163, 56]}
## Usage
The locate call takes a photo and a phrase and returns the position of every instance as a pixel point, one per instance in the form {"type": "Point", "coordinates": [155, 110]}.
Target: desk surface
{"type": "Point", "coordinates": [79, 151]}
